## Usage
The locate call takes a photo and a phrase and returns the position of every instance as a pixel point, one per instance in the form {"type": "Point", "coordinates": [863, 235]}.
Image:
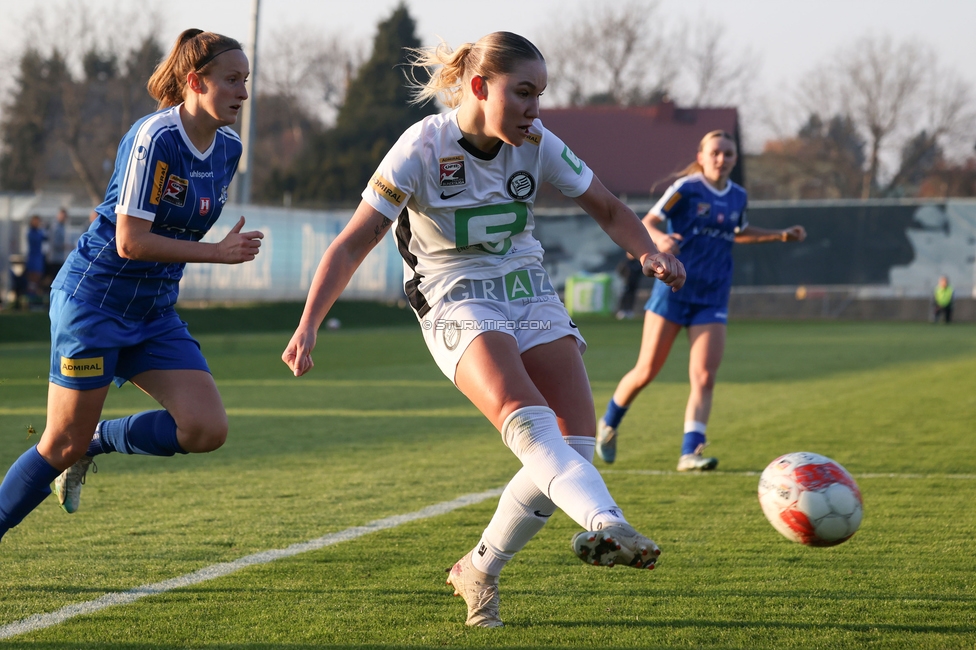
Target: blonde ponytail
{"type": "Point", "coordinates": [450, 70]}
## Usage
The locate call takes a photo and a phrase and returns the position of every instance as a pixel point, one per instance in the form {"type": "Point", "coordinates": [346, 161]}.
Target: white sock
{"type": "Point", "coordinates": [522, 512]}
{"type": "Point", "coordinates": [572, 483]}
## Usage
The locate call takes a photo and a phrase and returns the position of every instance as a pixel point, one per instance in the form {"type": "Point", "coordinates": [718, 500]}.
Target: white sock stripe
{"type": "Point", "coordinates": [585, 446]}
{"type": "Point", "coordinates": [524, 413]}
{"type": "Point", "coordinates": [41, 621]}
{"type": "Point", "coordinates": [696, 426]}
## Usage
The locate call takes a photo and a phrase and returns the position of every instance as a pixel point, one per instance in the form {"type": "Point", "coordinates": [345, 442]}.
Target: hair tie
{"type": "Point", "coordinates": [208, 59]}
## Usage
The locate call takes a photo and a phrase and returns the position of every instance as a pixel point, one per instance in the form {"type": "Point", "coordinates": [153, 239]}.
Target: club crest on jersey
{"type": "Point", "coordinates": [520, 185]}
{"type": "Point", "coordinates": [704, 210]}
{"type": "Point", "coordinates": [204, 205]}
{"type": "Point", "coordinates": [451, 171]}
{"type": "Point", "coordinates": [175, 191]}
{"type": "Point", "coordinates": [223, 195]}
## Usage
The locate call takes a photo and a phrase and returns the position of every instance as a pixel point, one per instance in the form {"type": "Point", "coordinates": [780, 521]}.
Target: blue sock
{"type": "Point", "coordinates": [95, 446]}
{"type": "Point", "coordinates": [27, 483]}
{"type": "Point", "coordinates": [150, 433]}
{"type": "Point", "coordinates": [614, 414]}
{"type": "Point", "coordinates": [691, 442]}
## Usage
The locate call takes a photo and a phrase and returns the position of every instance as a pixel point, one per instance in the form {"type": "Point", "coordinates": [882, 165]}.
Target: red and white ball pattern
{"type": "Point", "coordinates": [810, 499]}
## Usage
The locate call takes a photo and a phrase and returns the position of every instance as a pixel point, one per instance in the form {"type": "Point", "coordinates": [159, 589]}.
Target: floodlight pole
{"type": "Point", "coordinates": [248, 113]}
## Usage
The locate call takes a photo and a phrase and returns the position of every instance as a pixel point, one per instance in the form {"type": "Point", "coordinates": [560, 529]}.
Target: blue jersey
{"type": "Point", "coordinates": [707, 221]}
{"type": "Point", "coordinates": [161, 177]}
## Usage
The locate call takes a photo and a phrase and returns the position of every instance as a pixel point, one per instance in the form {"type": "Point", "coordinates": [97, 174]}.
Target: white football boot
{"type": "Point", "coordinates": [480, 593]}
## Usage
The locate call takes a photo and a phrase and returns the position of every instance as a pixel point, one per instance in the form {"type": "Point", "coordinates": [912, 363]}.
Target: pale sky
{"type": "Point", "coordinates": [789, 36]}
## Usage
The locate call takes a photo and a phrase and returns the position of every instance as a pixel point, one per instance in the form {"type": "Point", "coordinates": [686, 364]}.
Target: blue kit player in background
{"type": "Point", "coordinates": [112, 305]}
{"type": "Point", "coordinates": [705, 214]}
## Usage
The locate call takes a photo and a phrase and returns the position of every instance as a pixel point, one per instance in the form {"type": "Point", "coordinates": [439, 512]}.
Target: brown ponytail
{"type": "Point", "coordinates": [193, 51]}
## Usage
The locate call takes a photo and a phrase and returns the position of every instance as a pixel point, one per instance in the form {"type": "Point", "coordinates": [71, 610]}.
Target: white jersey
{"type": "Point", "coordinates": [462, 213]}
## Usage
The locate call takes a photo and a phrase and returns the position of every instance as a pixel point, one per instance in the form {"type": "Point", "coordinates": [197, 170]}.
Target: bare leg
{"type": "Point", "coordinates": [656, 341]}
{"type": "Point", "coordinates": [191, 397]}
{"type": "Point", "coordinates": [707, 348]}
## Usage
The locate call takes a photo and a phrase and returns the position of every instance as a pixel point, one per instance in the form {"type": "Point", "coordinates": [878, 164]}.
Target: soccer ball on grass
{"type": "Point", "coordinates": [810, 499]}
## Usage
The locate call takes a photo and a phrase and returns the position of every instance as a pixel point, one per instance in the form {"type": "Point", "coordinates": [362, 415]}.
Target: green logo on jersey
{"type": "Point", "coordinates": [575, 163]}
{"type": "Point", "coordinates": [518, 285]}
{"type": "Point", "coordinates": [485, 224]}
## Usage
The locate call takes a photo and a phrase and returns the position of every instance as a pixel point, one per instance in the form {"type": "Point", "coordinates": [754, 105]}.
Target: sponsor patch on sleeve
{"type": "Point", "coordinates": [387, 190]}
{"type": "Point", "coordinates": [93, 367]}
{"type": "Point", "coordinates": [674, 199]}
{"type": "Point", "coordinates": [574, 163]}
{"type": "Point", "coordinates": [159, 178]}
{"type": "Point", "coordinates": [534, 138]}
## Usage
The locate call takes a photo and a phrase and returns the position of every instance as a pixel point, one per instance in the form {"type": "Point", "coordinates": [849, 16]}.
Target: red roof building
{"type": "Point", "coordinates": [638, 151]}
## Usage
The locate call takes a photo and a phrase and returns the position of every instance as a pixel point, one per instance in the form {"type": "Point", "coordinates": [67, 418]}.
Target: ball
{"type": "Point", "coordinates": [810, 499]}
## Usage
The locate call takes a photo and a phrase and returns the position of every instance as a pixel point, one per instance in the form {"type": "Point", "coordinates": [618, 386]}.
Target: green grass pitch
{"type": "Point", "coordinates": [376, 431]}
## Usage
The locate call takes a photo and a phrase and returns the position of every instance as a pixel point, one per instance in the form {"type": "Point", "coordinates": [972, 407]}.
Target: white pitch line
{"type": "Point", "coordinates": [41, 621]}
{"type": "Point", "coordinates": [661, 472]}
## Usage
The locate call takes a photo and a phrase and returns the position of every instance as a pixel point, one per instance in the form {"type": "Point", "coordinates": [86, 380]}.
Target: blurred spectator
{"type": "Point", "coordinates": [36, 264]}
{"type": "Point", "coordinates": [58, 244]}
{"type": "Point", "coordinates": [631, 271]}
{"type": "Point", "coordinates": [943, 301]}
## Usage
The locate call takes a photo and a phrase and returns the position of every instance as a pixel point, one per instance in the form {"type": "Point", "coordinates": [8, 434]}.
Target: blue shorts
{"type": "Point", "coordinates": [91, 347]}
{"type": "Point", "coordinates": [663, 303]}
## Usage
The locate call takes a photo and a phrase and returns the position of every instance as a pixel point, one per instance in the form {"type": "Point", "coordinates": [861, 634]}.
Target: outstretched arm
{"type": "Point", "coordinates": [754, 235]}
{"type": "Point", "coordinates": [627, 231]}
{"type": "Point", "coordinates": [335, 269]}
{"type": "Point", "coordinates": [134, 240]}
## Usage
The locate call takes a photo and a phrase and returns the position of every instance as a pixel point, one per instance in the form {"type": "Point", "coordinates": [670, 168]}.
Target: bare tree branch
{"type": "Point", "coordinates": [309, 69]}
{"type": "Point", "coordinates": [712, 71]}
{"type": "Point", "coordinates": [618, 53]}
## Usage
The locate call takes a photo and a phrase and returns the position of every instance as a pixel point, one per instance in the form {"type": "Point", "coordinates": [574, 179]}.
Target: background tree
{"type": "Point", "coordinates": [75, 99]}
{"type": "Point", "coordinates": [610, 53]}
{"type": "Point", "coordinates": [25, 118]}
{"type": "Point", "coordinates": [304, 78]}
{"type": "Point", "coordinates": [336, 165]}
{"type": "Point", "coordinates": [715, 71]}
{"type": "Point", "coordinates": [628, 54]}
{"type": "Point", "coordinates": [823, 161]}
{"type": "Point", "coordinates": [892, 92]}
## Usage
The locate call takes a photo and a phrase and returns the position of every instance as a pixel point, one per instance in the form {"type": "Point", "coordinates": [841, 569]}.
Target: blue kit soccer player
{"type": "Point", "coordinates": [112, 304]}
{"type": "Point", "coordinates": [705, 214]}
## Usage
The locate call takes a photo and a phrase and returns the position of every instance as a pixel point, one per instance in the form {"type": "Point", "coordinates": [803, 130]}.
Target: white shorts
{"type": "Point", "coordinates": [522, 304]}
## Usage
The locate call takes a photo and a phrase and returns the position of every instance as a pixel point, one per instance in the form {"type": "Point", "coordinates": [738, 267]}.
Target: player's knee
{"type": "Point", "coordinates": [644, 375]}
{"type": "Point", "coordinates": [703, 379]}
{"type": "Point", "coordinates": [206, 434]}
